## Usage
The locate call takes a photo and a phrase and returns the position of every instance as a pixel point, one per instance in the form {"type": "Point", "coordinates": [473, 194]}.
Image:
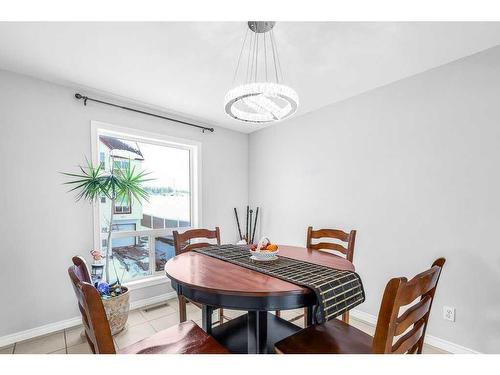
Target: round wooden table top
{"type": "Point", "coordinates": [213, 275]}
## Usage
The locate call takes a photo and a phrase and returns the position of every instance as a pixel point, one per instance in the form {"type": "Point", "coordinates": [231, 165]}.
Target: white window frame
{"type": "Point", "coordinates": [195, 166]}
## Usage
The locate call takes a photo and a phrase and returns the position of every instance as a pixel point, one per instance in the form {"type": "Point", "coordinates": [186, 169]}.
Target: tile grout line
{"type": "Point", "coordinates": [154, 329]}
{"type": "Point", "coordinates": [65, 342]}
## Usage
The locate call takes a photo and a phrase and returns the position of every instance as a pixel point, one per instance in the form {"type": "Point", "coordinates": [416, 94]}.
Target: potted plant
{"type": "Point", "coordinates": [117, 184]}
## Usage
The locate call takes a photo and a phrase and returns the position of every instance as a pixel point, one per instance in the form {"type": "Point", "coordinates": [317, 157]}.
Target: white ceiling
{"type": "Point", "coordinates": [187, 67]}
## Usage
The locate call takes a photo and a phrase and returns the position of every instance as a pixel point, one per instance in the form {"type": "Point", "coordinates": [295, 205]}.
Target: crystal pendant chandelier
{"type": "Point", "coordinates": [261, 97]}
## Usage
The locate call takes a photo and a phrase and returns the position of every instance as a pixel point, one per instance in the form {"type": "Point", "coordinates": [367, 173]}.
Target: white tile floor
{"type": "Point", "coordinates": [142, 323]}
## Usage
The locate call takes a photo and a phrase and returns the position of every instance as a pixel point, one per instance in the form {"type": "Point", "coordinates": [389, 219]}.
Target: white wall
{"type": "Point", "coordinates": [43, 131]}
{"type": "Point", "coordinates": [413, 166]}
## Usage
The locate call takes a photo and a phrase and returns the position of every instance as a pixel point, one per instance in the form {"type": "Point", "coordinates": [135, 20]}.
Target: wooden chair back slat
{"type": "Point", "coordinates": [329, 246]}
{"type": "Point", "coordinates": [418, 286]}
{"type": "Point", "coordinates": [410, 339]}
{"type": "Point", "coordinates": [182, 240]}
{"type": "Point", "coordinates": [413, 315]}
{"type": "Point", "coordinates": [197, 245]}
{"type": "Point", "coordinates": [329, 233]}
{"type": "Point", "coordinates": [400, 292]}
{"type": "Point", "coordinates": [337, 234]}
{"type": "Point", "coordinates": [94, 318]}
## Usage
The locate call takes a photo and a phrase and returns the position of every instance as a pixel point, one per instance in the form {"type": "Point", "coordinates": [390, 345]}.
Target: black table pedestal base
{"type": "Point", "coordinates": [253, 333]}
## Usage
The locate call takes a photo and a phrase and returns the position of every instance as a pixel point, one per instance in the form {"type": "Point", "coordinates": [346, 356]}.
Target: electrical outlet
{"type": "Point", "coordinates": [449, 313]}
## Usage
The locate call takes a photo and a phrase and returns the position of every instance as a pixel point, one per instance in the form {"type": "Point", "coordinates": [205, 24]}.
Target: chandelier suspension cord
{"type": "Point", "coordinates": [239, 57]}
{"type": "Point", "coordinates": [253, 58]}
{"type": "Point", "coordinates": [265, 55]}
{"type": "Point", "coordinates": [248, 58]}
{"type": "Point", "coordinates": [256, 58]}
{"type": "Point", "coordinates": [250, 73]}
{"type": "Point", "coordinates": [274, 58]}
{"type": "Point", "coordinates": [277, 55]}
{"type": "Point", "coordinates": [256, 52]}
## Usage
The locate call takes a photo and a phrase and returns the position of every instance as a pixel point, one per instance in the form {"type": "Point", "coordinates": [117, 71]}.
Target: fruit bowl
{"type": "Point", "coordinates": [264, 255]}
{"type": "Point", "coordinates": [264, 251]}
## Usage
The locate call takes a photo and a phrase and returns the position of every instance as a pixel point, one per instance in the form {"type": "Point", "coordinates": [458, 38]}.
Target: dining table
{"type": "Point", "coordinates": [216, 283]}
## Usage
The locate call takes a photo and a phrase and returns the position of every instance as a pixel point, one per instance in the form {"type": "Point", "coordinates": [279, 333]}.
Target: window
{"type": "Point", "coordinates": [121, 164]}
{"type": "Point", "coordinates": [141, 239]}
{"type": "Point", "coordinates": [122, 205]}
{"type": "Point", "coordinates": [102, 159]}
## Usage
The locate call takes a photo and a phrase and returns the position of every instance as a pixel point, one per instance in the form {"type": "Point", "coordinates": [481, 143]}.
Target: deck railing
{"type": "Point", "coordinates": [155, 222]}
{"type": "Point", "coordinates": [152, 241]}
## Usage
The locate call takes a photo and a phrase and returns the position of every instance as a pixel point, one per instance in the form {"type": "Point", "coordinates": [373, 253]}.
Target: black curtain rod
{"type": "Point", "coordinates": [86, 98]}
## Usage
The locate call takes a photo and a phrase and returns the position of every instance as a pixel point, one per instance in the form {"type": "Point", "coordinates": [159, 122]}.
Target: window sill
{"type": "Point", "coordinates": [147, 282]}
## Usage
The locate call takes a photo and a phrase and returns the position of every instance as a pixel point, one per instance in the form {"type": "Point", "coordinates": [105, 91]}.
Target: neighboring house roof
{"type": "Point", "coordinates": [122, 148]}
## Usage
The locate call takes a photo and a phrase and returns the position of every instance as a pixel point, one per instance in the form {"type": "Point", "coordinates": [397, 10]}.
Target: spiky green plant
{"type": "Point", "coordinates": [92, 182]}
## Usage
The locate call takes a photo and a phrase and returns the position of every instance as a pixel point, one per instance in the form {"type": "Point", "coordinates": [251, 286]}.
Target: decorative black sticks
{"type": "Point", "coordinates": [238, 223]}
{"type": "Point", "coordinates": [246, 230]}
{"type": "Point", "coordinates": [250, 227]}
{"type": "Point", "coordinates": [255, 224]}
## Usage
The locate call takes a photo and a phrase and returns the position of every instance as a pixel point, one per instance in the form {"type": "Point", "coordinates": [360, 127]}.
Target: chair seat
{"type": "Point", "coordinates": [332, 337]}
{"type": "Point", "coordinates": [183, 338]}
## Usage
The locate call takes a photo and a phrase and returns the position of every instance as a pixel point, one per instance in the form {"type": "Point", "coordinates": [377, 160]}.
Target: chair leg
{"type": "Point", "coordinates": [345, 317]}
{"type": "Point", "coordinates": [420, 345]}
{"type": "Point", "coordinates": [306, 317]}
{"type": "Point", "coordinates": [182, 309]}
{"type": "Point", "coordinates": [278, 313]}
{"type": "Point", "coordinates": [91, 344]}
{"type": "Point", "coordinates": [221, 316]}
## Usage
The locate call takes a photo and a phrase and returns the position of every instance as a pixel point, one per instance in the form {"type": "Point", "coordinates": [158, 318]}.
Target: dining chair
{"type": "Point", "coordinates": [183, 242]}
{"type": "Point", "coordinates": [395, 333]}
{"type": "Point", "coordinates": [346, 251]}
{"type": "Point", "coordinates": [184, 338]}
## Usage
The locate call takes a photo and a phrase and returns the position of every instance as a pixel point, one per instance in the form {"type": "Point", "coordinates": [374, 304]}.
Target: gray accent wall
{"type": "Point", "coordinates": [414, 167]}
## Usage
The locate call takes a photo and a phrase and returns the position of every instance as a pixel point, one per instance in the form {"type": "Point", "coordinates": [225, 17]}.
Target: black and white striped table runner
{"type": "Point", "coordinates": [336, 291]}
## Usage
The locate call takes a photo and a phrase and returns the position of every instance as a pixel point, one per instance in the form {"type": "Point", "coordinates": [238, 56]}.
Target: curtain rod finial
{"type": "Point", "coordinates": [80, 96]}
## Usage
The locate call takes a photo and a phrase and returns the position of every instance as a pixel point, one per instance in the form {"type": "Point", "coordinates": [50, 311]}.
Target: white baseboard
{"type": "Point", "coordinates": [364, 317]}
{"type": "Point", "coordinates": [39, 331]}
{"type": "Point", "coordinates": [153, 300]}
{"type": "Point", "coordinates": [448, 346]}
{"type": "Point", "coordinates": [72, 322]}
{"type": "Point", "coordinates": [434, 341]}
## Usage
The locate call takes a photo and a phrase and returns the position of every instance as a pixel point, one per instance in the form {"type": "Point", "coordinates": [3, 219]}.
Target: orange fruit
{"type": "Point", "coordinates": [272, 247]}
